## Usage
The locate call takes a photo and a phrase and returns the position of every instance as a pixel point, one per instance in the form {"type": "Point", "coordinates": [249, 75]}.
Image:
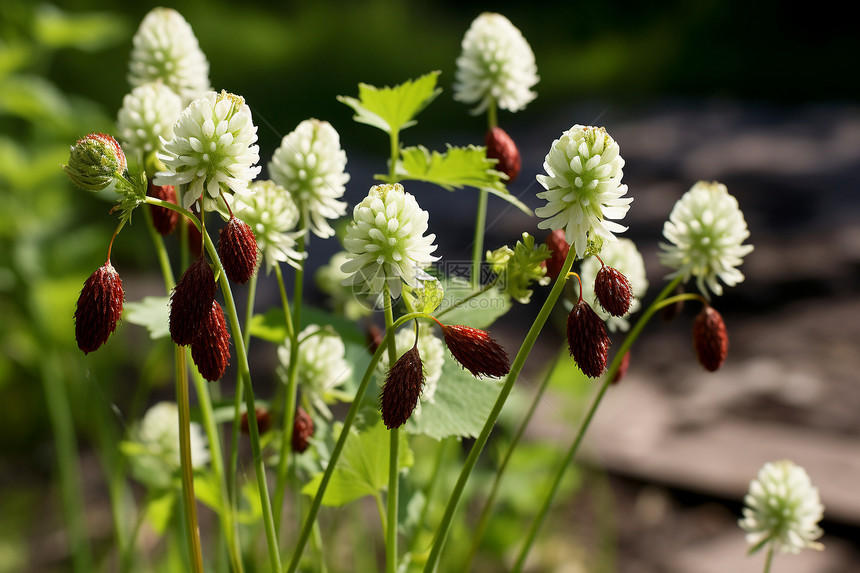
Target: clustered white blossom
{"type": "Point", "coordinates": [213, 150]}
{"type": "Point", "coordinates": [322, 366]}
{"type": "Point", "coordinates": [432, 352]}
{"type": "Point", "coordinates": [496, 65]}
{"type": "Point", "coordinates": [166, 49]}
{"type": "Point", "coordinates": [782, 509]}
{"type": "Point", "coordinates": [159, 434]}
{"type": "Point", "coordinates": [386, 242]}
{"type": "Point", "coordinates": [583, 187]}
{"type": "Point", "coordinates": [310, 164]}
{"type": "Point", "coordinates": [623, 256]}
{"type": "Point", "coordinates": [147, 115]}
{"type": "Point", "coordinates": [706, 229]}
{"type": "Point", "coordinates": [272, 214]}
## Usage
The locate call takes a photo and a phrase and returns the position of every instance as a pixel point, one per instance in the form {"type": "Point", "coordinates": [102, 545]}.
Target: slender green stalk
{"type": "Point", "coordinates": [658, 303]}
{"type": "Point", "coordinates": [478, 241]}
{"type": "Point", "coordinates": [492, 114]}
{"type": "Point", "coordinates": [484, 519]}
{"type": "Point", "coordinates": [294, 325]}
{"type": "Point", "coordinates": [769, 559]}
{"type": "Point", "coordinates": [189, 502]}
{"type": "Point", "coordinates": [65, 444]}
{"type": "Point", "coordinates": [310, 518]}
{"type": "Point", "coordinates": [253, 430]}
{"type": "Point", "coordinates": [238, 397]}
{"type": "Point", "coordinates": [475, 452]}
{"type": "Point", "coordinates": [394, 442]}
{"type": "Point", "coordinates": [227, 513]}
{"type": "Point", "coordinates": [428, 495]}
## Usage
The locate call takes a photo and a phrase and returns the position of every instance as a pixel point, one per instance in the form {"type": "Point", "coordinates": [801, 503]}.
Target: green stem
{"type": "Point", "coordinates": [394, 153]}
{"type": "Point", "coordinates": [238, 397]}
{"type": "Point", "coordinates": [294, 325]}
{"type": "Point", "coordinates": [475, 452]}
{"type": "Point", "coordinates": [484, 519]}
{"type": "Point", "coordinates": [658, 303]}
{"type": "Point", "coordinates": [65, 444]}
{"type": "Point", "coordinates": [492, 114]}
{"type": "Point", "coordinates": [478, 241]}
{"type": "Point", "coordinates": [394, 442]}
{"type": "Point", "coordinates": [311, 516]}
{"type": "Point", "coordinates": [769, 559]}
{"type": "Point", "coordinates": [227, 515]}
{"type": "Point", "coordinates": [428, 494]}
{"type": "Point", "coordinates": [189, 502]}
{"type": "Point", "coordinates": [245, 372]}
{"type": "Point", "coordinates": [380, 507]}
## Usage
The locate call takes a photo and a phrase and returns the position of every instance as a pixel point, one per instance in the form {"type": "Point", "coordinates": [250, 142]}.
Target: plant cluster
{"type": "Point", "coordinates": [187, 156]}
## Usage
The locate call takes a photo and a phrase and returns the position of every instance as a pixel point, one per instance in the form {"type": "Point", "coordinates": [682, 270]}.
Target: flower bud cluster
{"type": "Point", "coordinates": [95, 161]}
{"type": "Point", "coordinates": [519, 267]}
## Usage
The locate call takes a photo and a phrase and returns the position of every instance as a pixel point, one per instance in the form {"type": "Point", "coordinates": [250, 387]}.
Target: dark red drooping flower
{"type": "Point", "coordinates": [99, 308]}
{"type": "Point", "coordinates": [211, 349]}
{"type": "Point", "coordinates": [500, 146]}
{"type": "Point", "coordinates": [191, 302]}
{"type": "Point", "coordinates": [195, 239]}
{"type": "Point", "coordinates": [264, 421]}
{"type": "Point", "coordinates": [587, 339]}
{"type": "Point", "coordinates": [710, 339]}
{"type": "Point", "coordinates": [558, 249]}
{"type": "Point", "coordinates": [613, 291]}
{"type": "Point", "coordinates": [163, 219]}
{"type": "Point", "coordinates": [303, 430]}
{"type": "Point", "coordinates": [402, 389]}
{"type": "Point", "coordinates": [476, 351]}
{"type": "Point", "coordinates": [374, 337]}
{"type": "Point", "coordinates": [622, 368]}
{"type": "Point", "coordinates": [237, 248]}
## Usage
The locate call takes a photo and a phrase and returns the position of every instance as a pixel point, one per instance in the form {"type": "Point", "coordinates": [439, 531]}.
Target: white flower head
{"type": "Point", "coordinates": [329, 279]}
{"type": "Point", "coordinates": [159, 434]}
{"type": "Point", "coordinates": [166, 49]}
{"type": "Point", "coordinates": [623, 256]}
{"type": "Point", "coordinates": [322, 366]}
{"type": "Point", "coordinates": [432, 352]}
{"type": "Point", "coordinates": [310, 165]}
{"type": "Point", "coordinates": [147, 115]}
{"type": "Point", "coordinates": [583, 187]}
{"type": "Point", "coordinates": [783, 509]}
{"type": "Point", "coordinates": [496, 65]}
{"type": "Point", "coordinates": [706, 229]}
{"type": "Point", "coordinates": [272, 214]}
{"type": "Point", "coordinates": [386, 242]}
{"type": "Point", "coordinates": [212, 151]}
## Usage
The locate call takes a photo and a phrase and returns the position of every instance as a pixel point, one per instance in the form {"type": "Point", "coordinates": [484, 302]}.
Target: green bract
{"type": "Point", "coordinates": [518, 267]}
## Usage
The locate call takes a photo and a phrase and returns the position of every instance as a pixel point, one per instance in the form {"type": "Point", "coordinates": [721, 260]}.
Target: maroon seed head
{"type": "Point", "coordinates": [211, 349]}
{"type": "Point", "coordinates": [710, 339]}
{"type": "Point", "coordinates": [613, 291]}
{"type": "Point", "coordinates": [237, 248]}
{"type": "Point", "coordinates": [191, 302]}
{"type": "Point", "coordinates": [476, 351]}
{"type": "Point", "coordinates": [303, 430]}
{"type": "Point", "coordinates": [163, 219]}
{"type": "Point", "coordinates": [99, 308]}
{"type": "Point", "coordinates": [587, 339]}
{"type": "Point", "coordinates": [402, 389]}
{"type": "Point", "coordinates": [264, 421]}
{"type": "Point", "coordinates": [559, 249]}
{"type": "Point", "coordinates": [500, 146]}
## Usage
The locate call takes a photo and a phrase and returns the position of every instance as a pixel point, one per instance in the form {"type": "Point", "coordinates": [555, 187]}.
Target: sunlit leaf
{"type": "Point", "coordinates": [152, 313]}
{"type": "Point", "coordinates": [363, 466]}
{"type": "Point", "coordinates": [393, 108]}
{"type": "Point", "coordinates": [87, 31]}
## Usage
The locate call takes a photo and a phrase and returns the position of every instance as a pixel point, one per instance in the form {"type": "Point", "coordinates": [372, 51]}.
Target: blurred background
{"type": "Point", "coordinates": [760, 97]}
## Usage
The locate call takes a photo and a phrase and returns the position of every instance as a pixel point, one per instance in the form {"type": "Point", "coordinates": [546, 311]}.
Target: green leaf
{"type": "Point", "coordinates": [427, 298]}
{"type": "Point", "coordinates": [159, 511]}
{"type": "Point", "coordinates": [458, 167]}
{"type": "Point", "coordinates": [478, 312]}
{"type": "Point", "coordinates": [86, 30]}
{"type": "Point", "coordinates": [363, 466]}
{"type": "Point", "coordinates": [272, 325]}
{"type": "Point", "coordinates": [152, 312]}
{"type": "Point", "coordinates": [460, 405]}
{"type": "Point", "coordinates": [393, 109]}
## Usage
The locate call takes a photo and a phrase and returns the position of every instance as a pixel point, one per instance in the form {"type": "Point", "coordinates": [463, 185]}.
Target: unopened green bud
{"type": "Point", "coordinates": [95, 161]}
